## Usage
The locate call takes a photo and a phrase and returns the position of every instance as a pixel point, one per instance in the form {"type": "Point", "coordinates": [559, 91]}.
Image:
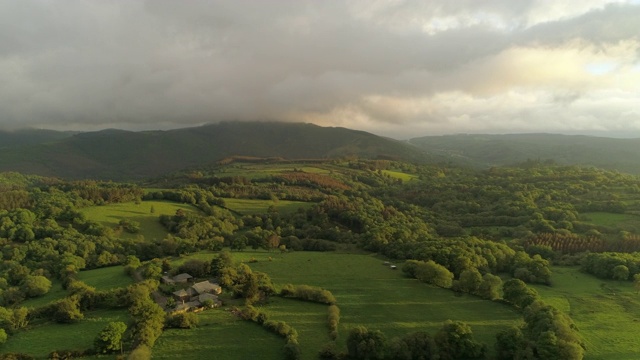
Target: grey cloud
{"type": "Point", "coordinates": [167, 64]}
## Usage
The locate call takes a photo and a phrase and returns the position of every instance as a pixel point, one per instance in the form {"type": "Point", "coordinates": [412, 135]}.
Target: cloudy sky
{"type": "Point", "coordinates": [391, 67]}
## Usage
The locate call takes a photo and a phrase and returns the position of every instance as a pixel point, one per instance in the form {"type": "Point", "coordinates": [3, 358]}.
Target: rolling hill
{"type": "Point", "coordinates": [120, 155]}
{"type": "Point", "coordinates": [498, 150]}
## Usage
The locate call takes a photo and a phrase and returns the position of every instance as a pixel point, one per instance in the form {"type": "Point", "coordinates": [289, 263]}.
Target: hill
{"type": "Point", "coordinates": [120, 155]}
{"type": "Point", "coordinates": [498, 150]}
{"type": "Point", "coordinates": [27, 137]}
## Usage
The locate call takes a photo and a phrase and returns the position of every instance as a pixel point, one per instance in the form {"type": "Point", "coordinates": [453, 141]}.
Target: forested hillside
{"type": "Point", "coordinates": [127, 155]}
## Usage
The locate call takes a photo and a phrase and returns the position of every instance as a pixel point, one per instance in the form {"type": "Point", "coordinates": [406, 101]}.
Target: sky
{"type": "Point", "coordinates": [391, 67]}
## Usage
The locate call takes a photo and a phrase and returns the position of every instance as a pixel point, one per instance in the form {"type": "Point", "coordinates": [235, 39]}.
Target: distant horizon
{"type": "Point", "coordinates": [602, 133]}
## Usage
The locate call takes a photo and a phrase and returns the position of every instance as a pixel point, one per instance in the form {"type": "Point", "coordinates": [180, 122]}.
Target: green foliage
{"type": "Point", "coordinates": [518, 293]}
{"type": "Point", "coordinates": [365, 344]}
{"type": "Point", "coordinates": [455, 341]}
{"type": "Point", "coordinates": [110, 338]}
{"type": "Point", "coordinates": [187, 320]}
{"type": "Point", "coordinates": [432, 273]}
{"type": "Point", "coordinates": [148, 316]}
{"type": "Point", "coordinates": [418, 345]}
{"type": "Point", "coordinates": [68, 310]}
{"type": "Point", "coordinates": [551, 334]}
{"type": "Point", "coordinates": [308, 293]}
{"type": "Point", "coordinates": [333, 319]}
{"type": "Point", "coordinates": [612, 265]}
{"type": "Point", "coordinates": [141, 352]}
{"type": "Point", "coordinates": [34, 286]}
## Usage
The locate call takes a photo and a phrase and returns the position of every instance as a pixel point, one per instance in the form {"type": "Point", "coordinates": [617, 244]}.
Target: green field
{"type": "Point", "coordinates": [219, 335]}
{"type": "Point", "coordinates": [106, 278]}
{"type": "Point", "coordinates": [252, 207]}
{"type": "Point", "coordinates": [368, 294]}
{"type": "Point", "coordinates": [56, 293]}
{"type": "Point", "coordinates": [606, 312]}
{"type": "Point", "coordinates": [399, 175]}
{"type": "Point", "coordinates": [110, 215]}
{"type": "Point", "coordinates": [256, 171]}
{"type": "Point", "coordinates": [627, 222]}
{"type": "Point", "coordinates": [42, 339]}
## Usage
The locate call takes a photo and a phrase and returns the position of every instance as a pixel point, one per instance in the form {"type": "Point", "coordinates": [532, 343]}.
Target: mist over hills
{"type": "Point", "coordinates": [128, 155]}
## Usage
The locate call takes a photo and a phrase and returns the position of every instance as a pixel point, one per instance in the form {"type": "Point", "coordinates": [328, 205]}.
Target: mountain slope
{"type": "Point", "coordinates": [118, 154]}
{"type": "Point", "coordinates": [28, 137]}
{"type": "Point", "coordinates": [496, 150]}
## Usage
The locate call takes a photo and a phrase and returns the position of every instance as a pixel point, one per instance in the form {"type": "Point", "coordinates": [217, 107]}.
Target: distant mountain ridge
{"type": "Point", "coordinates": [128, 155]}
{"type": "Point", "coordinates": [119, 154]}
{"type": "Point", "coordinates": [500, 150]}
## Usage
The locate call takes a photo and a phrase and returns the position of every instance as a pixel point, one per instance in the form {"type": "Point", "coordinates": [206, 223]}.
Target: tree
{"type": "Point", "coordinates": [110, 338]}
{"type": "Point", "coordinates": [490, 287]}
{"type": "Point", "coordinates": [183, 320]}
{"type": "Point", "coordinates": [3, 336]}
{"type": "Point", "coordinates": [365, 344]}
{"type": "Point", "coordinates": [470, 281]}
{"type": "Point", "coordinates": [434, 273]}
{"type": "Point", "coordinates": [415, 346]}
{"type": "Point", "coordinates": [34, 286]}
{"type": "Point", "coordinates": [620, 272]}
{"type": "Point", "coordinates": [518, 293]}
{"type": "Point", "coordinates": [455, 341]}
{"type": "Point", "coordinates": [509, 343]}
{"type": "Point", "coordinates": [67, 310]}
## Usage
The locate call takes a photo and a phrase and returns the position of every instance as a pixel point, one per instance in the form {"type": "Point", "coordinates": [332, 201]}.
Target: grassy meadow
{"type": "Point", "coordinates": [106, 278]}
{"type": "Point", "coordinates": [368, 294]}
{"type": "Point", "coordinates": [606, 312]}
{"type": "Point", "coordinates": [400, 175]}
{"type": "Point", "coordinates": [621, 221]}
{"type": "Point", "coordinates": [110, 215]}
{"type": "Point", "coordinates": [257, 171]}
{"type": "Point", "coordinates": [219, 332]}
{"type": "Point", "coordinates": [56, 293]}
{"type": "Point", "coordinates": [41, 339]}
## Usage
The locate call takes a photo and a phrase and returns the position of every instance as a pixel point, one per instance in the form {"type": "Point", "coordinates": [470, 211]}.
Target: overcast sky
{"type": "Point", "coordinates": [391, 67]}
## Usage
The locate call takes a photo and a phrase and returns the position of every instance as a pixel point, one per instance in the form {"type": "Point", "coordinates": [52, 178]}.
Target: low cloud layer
{"type": "Point", "coordinates": [395, 68]}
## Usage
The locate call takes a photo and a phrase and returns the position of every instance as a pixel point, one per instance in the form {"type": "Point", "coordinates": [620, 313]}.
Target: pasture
{"type": "Point", "coordinates": [628, 222]}
{"type": "Point", "coordinates": [606, 312]}
{"type": "Point", "coordinates": [146, 213]}
{"type": "Point", "coordinates": [106, 278]}
{"type": "Point", "coordinates": [257, 171]}
{"type": "Point", "coordinates": [56, 293]}
{"type": "Point", "coordinates": [41, 339]}
{"type": "Point", "coordinates": [368, 294]}
{"type": "Point", "coordinates": [373, 295]}
{"type": "Point", "coordinates": [219, 332]}
{"type": "Point", "coordinates": [400, 175]}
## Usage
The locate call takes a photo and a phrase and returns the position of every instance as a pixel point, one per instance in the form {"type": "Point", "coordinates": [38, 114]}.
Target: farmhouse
{"type": "Point", "coordinates": [206, 287]}
{"type": "Point", "coordinates": [197, 294]}
{"type": "Point", "coordinates": [178, 279]}
{"type": "Point", "coordinates": [183, 278]}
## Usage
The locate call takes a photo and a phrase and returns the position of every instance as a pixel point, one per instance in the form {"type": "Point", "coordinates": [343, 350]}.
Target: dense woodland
{"type": "Point", "coordinates": [483, 232]}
